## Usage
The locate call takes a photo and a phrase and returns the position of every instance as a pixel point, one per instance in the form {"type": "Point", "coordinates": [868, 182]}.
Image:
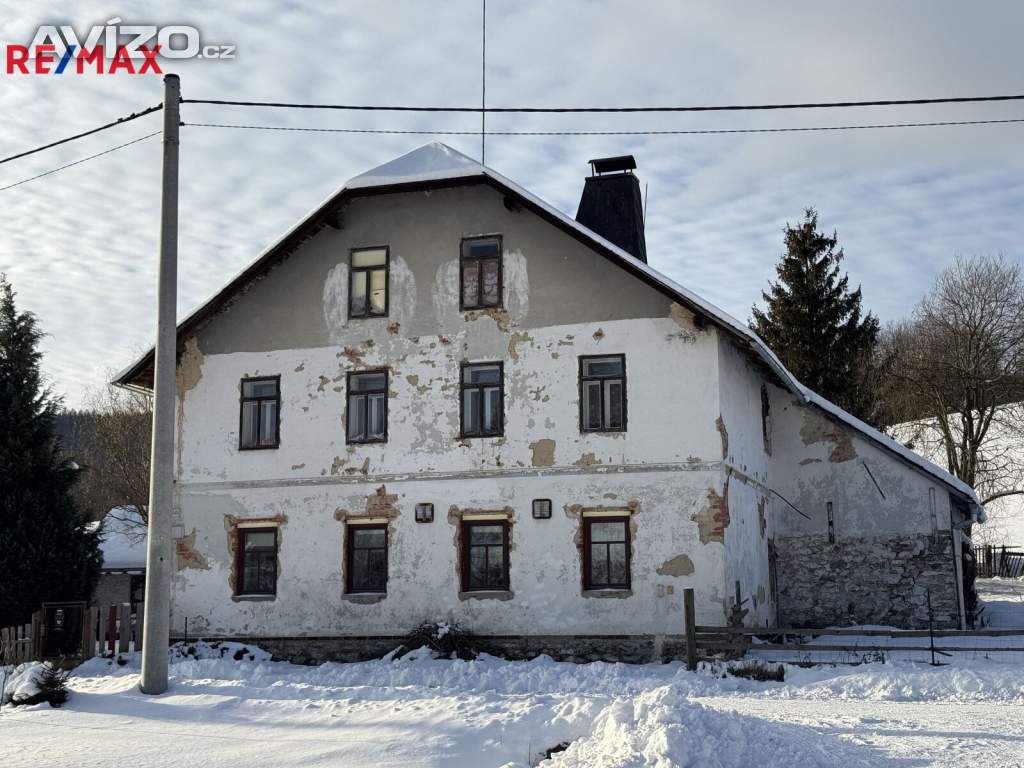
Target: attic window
{"type": "Point", "coordinates": [480, 273]}
{"type": "Point", "coordinates": [603, 394]}
{"type": "Point", "coordinates": [368, 283]}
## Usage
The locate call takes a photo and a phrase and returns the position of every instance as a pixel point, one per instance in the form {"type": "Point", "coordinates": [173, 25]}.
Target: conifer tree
{"type": "Point", "coordinates": [47, 552]}
{"type": "Point", "coordinates": [813, 321]}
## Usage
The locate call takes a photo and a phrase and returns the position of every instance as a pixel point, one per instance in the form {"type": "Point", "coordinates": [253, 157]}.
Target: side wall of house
{"type": "Point", "coordinates": [890, 542]}
{"type": "Point", "coordinates": [746, 480]}
{"type": "Point", "coordinates": [561, 301]}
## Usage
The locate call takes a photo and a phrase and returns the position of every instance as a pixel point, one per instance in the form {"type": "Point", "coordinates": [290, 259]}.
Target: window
{"type": "Point", "coordinates": [482, 392]}
{"type": "Point", "coordinates": [484, 555]}
{"type": "Point", "coordinates": [606, 553]}
{"type": "Point", "coordinates": [603, 394]}
{"type": "Point", "coordinates": [261, 405]}
{"type": "Point", "coordinates": [367, 566]}
{"type": "Point", "coordinates": [368, 283]}
{"type": "Point", "coordinates": [367, 416]}
{"type": "Point", "coordinates": [257, 561]}
{"type": "Point", "coordinates": [480, 273]}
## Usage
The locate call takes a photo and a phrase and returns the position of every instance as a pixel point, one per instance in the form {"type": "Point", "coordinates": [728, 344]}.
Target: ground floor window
{"type": "Point", "coordinates": [606, 553]}
{"type": "Point", "coordinates": [485, 555]}
{"type": "Point", "coordinates": [366, 568]}
{"type": "Point", "coordinates": [257, 561]}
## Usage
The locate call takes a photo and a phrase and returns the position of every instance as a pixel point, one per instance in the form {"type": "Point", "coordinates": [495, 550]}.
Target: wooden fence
{"type": "Point", "coordinates": [1004, 561]}
{"type": "Point", "coordinates": [735, 641]}
{"type": "Point", "coordinates": [106, 630]}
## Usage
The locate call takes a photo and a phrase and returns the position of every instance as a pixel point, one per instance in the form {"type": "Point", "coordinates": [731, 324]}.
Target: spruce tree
{"type": "Point", "coordinates": [47, 552]}
{"type": "Point", "coordinates": [813, 321]}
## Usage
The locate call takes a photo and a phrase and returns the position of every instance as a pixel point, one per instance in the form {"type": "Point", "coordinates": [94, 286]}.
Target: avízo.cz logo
{"type": "Point", "coordinates": [110, 48]}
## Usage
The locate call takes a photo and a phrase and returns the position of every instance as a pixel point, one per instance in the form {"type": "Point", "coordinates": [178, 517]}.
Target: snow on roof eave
{"type": "Point", "coordinates": [436, 161]}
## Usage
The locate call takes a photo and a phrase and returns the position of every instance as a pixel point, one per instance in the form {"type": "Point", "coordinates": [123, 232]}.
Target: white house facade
{"type": "Point", "coordinates": [439, 398]}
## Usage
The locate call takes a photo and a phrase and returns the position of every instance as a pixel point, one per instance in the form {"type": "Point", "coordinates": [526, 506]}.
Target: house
{"type": "Point", "coordinates": [437, 397]}
{"type": "Point", "coordinates": [123, 575]}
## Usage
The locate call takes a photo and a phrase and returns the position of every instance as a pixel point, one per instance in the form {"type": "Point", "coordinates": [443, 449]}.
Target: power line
{"type": "Point", "coordinates": [611, 133]}
{"type": "Point", "coordinates": [79, 162]}
{"type": "Point", "coordinates": [119, 121]}
{"type": "Point", "coordinates": [721, 108]}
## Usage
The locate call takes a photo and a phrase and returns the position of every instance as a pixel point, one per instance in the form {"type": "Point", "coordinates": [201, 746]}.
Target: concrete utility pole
{"type": "Point", "coordinates": [156, 629]}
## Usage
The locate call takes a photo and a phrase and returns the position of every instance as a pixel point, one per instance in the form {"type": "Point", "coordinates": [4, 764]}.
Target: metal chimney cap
{"type": "Point", "coordinates": [602, 165]}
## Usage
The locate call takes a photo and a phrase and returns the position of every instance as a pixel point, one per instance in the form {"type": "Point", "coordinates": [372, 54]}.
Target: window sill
{"type": "Point", "coordinates": [253, 598]}
{"type": "Point", "coordinates": [364, 598]}
{"type": "Point", "coordinates": [487, 594]}
{"type": "Point", "coordinates": [259, 447]}
{"type": "Point", "coordinates": [612, 592]}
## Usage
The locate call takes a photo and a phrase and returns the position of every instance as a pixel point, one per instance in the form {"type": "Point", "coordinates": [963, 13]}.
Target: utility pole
{"type": "Point", "coordinates": [157, 617]}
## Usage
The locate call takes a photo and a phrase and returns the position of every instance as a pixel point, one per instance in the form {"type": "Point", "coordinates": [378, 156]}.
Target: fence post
{"type": "Point", "coordinates": [689, 615]}
{"type": "Point", "coordinates": [87, 636]}
{"type": "Point", "coordinates": [124, 630]}
{"type": "Point", "coordinates": [37, 635]}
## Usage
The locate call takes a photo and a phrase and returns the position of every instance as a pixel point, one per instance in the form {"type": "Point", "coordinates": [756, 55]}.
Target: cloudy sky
{"type": "Point", "coordinates": [80, 245]}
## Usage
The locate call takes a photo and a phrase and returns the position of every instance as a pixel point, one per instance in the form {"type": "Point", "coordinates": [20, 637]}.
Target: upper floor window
{"type": "Point", "coordinates": [260, 409]}
{"type": "Point", "coordinates": [480, 273]}
{"type": "Point", "coordinates": [482, 395]}
{"type": "Point", "coordinates": [367, 565]}
{"type": "Point", "coordinates": [485, 555]}
{"type": "Point", "coordinates": [368, 283]}
{"type": "Point", "coordinates": [367, 416]}
{"type": "Point", "coordinates": [257, 561]}
{"type": "Point", "coordinates": [606, 553]}
{"type": "Point", "coordinates": [603, 393]}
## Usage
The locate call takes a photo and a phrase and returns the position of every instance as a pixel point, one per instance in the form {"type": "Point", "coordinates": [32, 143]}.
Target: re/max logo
{"type": "Point", "coordinates": [45, 60]}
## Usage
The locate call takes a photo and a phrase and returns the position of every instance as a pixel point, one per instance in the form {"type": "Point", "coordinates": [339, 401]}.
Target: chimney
{"type": "Point", "coordinates": [611, 204]}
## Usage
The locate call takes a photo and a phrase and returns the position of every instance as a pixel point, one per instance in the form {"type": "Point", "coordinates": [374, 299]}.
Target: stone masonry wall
{"type": "Point", "coordinates": [867, 581]}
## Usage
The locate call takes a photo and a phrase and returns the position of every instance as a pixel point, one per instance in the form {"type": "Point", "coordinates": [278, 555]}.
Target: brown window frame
{"type": "Point", "coordinates": [625, 398]}
{"type": "Point", "coordinates": [350, 548]}
{"type": "Point", "coordinates": [352, 270]}
{"type": "Point", "coordinates": [464, 555]}
{"type": "Point", "coordinates": [588, 583]}
{"type": "Point", "coordinates": [348, 396]}
{"type": "Point", "coordinates": [463, 434]}
{"type": "Point", "coordinates": [242, 532]}
{"type": "Point", "coordinates": [242, 400]}
{"type": "Point", "coordinates": [480, 283]}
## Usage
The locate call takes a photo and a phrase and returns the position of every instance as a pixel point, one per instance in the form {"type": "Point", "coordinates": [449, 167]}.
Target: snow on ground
{"type": "Point", "coordinates": [229, 705]}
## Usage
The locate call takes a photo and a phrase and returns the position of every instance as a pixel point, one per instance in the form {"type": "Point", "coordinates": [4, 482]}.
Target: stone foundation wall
{"type": "Point", "coordinates": [867, 581]}
{"type": "Point", "coordinates": [579, 648]}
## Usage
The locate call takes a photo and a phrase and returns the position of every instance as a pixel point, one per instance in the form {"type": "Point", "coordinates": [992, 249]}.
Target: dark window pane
{"type": "Point", "coordinates": [375, 417]}
{"type": "Point", "coordinates": [491, 283]}
{"type": "Point", "coordinates": [481, 374]}
{"type": "Point", "coordinates": [249, 415]}
{"type": "Point", "coordinates": [613, 404]}
{"type": "Point", "coordinates": [259, 540]}
{"type": "Point", "coordinates": [481, 248]}
{"type": "Point", "coordinates": [608, 531]}
{"type": "Point", "coordinates": [360, 571]}
{"type": "Point", "coordinates": [265, 388]}
{"type": "Point", "coordinates": [268, 422]}
{"type": "Point", "coordinates": [377, 568]}
{"type": "Point", "coordinates": [598, 564]}
{"type": "Point", "coordinates": [495, 566]}
{"type": "Point", "coordinates": [592, 405]}
{"type": "Point", "coordinates": [367, 381]}
{"type": "Point", "coordinates": [486, 534]}
{"type": "Point", "coordinates": [492, 410]}
{"type": "Point", "coordinates": [371, 537]}
{"type": "Point", "coordinates": [606, 366]}
{"type": "Point", "coordinates": [470, 283]}
{"type": "Point", "coordinates": [471, 411]}
{"type": "Point", "coordinates": [617, 563]}
{"type": "Point", "coordinates": [477, 566]}
{"type": "Point", "coordinates": [356, 417]}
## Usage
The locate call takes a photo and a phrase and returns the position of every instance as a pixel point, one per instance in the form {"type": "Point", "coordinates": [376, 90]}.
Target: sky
{"type": "Point", "coordinates": [80, 246]}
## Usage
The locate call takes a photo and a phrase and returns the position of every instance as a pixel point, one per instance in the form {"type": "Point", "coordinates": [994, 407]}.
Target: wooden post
{"type": "Point", "coordinates": [88, 628]}
{"type": "Point", "coordinates": [124, 630]}
{"type": "Point", "coordinates": [111, 628]}
{"type": "Point", "coordinates": [689, 615]}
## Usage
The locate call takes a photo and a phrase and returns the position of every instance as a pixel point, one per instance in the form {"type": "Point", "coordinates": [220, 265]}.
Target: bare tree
{"type": "Point", "coordinates": [956, 375]}
{"type": "Point", "coordinates": [112, 444]}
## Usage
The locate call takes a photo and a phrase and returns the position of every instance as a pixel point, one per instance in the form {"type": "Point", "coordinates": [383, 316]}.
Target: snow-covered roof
{"type": "Point", "coordinates": [436, 162]}
{"type": "Point", "coordinates": [123, 540]}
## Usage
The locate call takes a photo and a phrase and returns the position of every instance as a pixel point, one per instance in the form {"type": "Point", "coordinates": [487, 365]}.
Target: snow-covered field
{"type": "Point", "coordinates": [418, 711]}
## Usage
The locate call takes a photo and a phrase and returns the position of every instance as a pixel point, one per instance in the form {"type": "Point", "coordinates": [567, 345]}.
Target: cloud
{"type": "Point", "coordinates": [80, 246]}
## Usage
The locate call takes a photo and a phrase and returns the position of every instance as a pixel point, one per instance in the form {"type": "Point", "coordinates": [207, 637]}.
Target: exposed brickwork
{"type": "Point", "coordinates": [867, 581]}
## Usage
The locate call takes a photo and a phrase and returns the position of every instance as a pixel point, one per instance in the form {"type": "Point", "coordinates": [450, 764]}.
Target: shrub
{"type": "Point", "coordinates": [445, 639]}
{"type": "Point", "coordinates": [756, 670]}
{"type": "Point", "coordinates": [51, 684]}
